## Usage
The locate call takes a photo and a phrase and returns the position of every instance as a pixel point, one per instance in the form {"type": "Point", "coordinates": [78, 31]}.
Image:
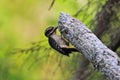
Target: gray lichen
{"type": "Point", "coordinates": [104, 59]}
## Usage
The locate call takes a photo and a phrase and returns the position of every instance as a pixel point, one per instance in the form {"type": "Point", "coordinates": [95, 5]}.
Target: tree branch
{"type": "Point", "coordinates": [104, 59]}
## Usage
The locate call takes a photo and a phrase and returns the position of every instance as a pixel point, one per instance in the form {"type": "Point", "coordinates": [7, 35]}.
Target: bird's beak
{"type": "Point", "coordinates": [54, 30]}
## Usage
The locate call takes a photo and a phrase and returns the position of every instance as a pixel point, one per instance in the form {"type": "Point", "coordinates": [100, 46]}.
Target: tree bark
{"type": "Point", "coordinates": [115, 39]}
{"type": "Point", "coordinates": [104, 59]}
{"type": "Point", "coordinates": [104, 16]}
{"type": "Point", "coordinates": [102, 26]}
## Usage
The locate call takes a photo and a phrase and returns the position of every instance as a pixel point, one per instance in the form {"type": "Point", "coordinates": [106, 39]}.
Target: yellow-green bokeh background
{"type": "Point", "coordinates": [23, 22]}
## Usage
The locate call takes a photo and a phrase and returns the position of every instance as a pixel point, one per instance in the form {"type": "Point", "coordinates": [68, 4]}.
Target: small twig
{"type": "Point", "coordinates": [53, 1]}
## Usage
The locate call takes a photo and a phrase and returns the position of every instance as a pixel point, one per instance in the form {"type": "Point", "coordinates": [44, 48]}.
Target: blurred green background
{"type": "Point", "coordinates": [23, 22]}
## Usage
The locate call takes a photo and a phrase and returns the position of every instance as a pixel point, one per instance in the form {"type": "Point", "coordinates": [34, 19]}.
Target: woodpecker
{"type": "Point", "coordinates": [57, 42]}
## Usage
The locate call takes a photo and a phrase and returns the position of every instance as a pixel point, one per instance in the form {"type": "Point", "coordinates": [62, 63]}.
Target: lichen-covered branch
{"type": "Point", "coordinates": [104, 59]}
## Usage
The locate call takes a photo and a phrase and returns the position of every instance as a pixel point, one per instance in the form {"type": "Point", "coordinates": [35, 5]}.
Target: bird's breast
{"type": "Point", "coordinates": [60, 41]}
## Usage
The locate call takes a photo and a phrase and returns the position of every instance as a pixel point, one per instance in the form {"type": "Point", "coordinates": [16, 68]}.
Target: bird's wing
{"type": "Point", "coordinates": [55, 45]}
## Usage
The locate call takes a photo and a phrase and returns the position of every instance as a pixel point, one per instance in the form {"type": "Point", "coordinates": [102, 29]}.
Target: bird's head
{"type": "Point", "coordinates": [49, 31]}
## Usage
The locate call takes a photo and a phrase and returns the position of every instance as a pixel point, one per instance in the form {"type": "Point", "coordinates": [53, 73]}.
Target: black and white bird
{"type": "Point", "coordinates": [57, 42]}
